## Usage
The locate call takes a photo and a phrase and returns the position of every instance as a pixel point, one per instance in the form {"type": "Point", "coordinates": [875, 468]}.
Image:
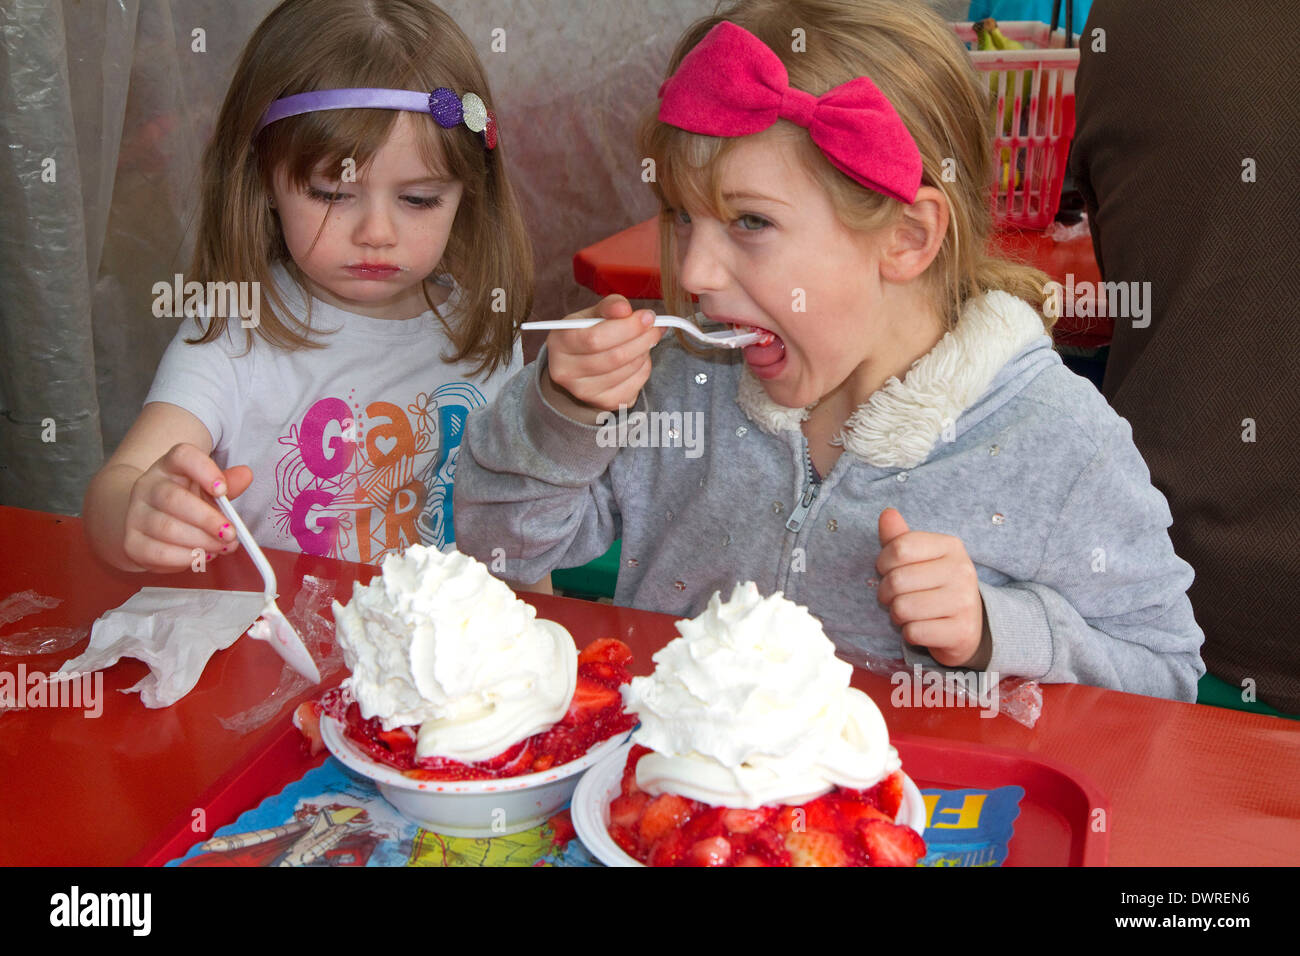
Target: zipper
{"type": "Point", "coordinates": [810, 489]}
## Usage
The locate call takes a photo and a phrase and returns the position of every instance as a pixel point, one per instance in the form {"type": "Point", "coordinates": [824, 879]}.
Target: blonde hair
{"type": "Point", "coordinates": [916, 60]}
{"type": "Point", "coordinates": [305, 45]}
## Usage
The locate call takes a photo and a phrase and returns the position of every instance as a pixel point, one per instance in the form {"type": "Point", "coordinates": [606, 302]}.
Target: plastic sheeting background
{"type": "Point", "coordinates": [105, 106]}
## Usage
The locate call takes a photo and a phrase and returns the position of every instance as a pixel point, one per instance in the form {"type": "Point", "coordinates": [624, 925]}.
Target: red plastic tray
{"type": "Point", "coordinates": [1057, 812]}
{"type": "Point", "coordinates": [283, 760]}
{"type": "Point", "coordinates": [1054, 827]}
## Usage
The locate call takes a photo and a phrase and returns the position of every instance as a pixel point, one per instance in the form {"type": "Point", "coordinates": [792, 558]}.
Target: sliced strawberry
{"type": "Point", "coordinates": [851, 811]}
{"type": "Point", "coordinates": [769, 846]}
{"type": "Point", "coordinates": [788, 819]}
{"type": "Point", "coordinates": [750, 859]}
{"type": "Point", "coordinates": [745, 821]}
{"type": "Point", "coordinates": [888, 794]}
{"type": "Point", "coordinates": [608, 649]}
{"type": "Point", "coordinates": [670, 850]}
{"type": "Point", "coordinates": [815, 848]}
{"type": "Point", "coordinates": [508, 756]}
{"type": "Point", "coordinates": [525, 761]}
{"type": "Point", "coordinates": [665, 812]}
{"type": "Point", "coordinates": [889, 844]}
{"type": "Point", "coordinates": [629, 769]}
{"type": "Point", "coordinates": [439, 768]}
{"type": "Point", "coordinates": [625, 811]}
{"type": "Point", "coordinates": [610, 675]}
{"type": "Point", "coordinates": [626, 839]}
{"type": "Point", "coordinates": [543, 762]}
{"type": "Point", "coordinates": [589, 699]}
{"type": "Point", "coordinates": [713, 851]}
{"type": "Point", "coordinates": [335, 702]}
{"type": "Point", "coordinates": [705, 822]}
{"type": "Point", "coordinates": [819, 814]}
{"type": "Point", "coordinates": [396, 739]}
{"type": "Point", "coordinates": [307, 719]}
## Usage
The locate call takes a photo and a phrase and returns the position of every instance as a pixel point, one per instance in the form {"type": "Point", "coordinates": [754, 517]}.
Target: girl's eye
{"type": "Point", "coordinates": [752, 223]}
{"type": "Point", "coordinates": [325, 195]}
{"type": "Point", "coordinates": [424, 202]}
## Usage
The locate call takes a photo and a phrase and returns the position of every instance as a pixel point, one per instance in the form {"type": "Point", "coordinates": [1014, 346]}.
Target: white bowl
{"type": "Point", "coordinates": [590, 809]}
{"type": "Point", "coordinates": [469, 808]}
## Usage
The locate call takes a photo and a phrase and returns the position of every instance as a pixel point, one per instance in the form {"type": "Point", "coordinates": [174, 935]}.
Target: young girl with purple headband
{"type": "Point", "coordinates": [354, 181]}
{"type": "Point", "coordinates": [904, 454]}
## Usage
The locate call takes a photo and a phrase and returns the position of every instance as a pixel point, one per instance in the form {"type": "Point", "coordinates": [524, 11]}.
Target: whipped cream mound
{"type": "Point", "coordinates": [437, 641]}
{"type": "Point", "coordinates": [750, 707]}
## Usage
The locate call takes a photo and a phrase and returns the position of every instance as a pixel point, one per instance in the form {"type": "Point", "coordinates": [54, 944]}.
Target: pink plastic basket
{"type": "Point", "coordinates": [1031, 140]}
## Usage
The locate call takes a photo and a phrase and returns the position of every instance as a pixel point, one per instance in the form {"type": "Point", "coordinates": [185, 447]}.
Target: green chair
{"type": "Point", "coordinates": [1219, 693]}
{"type": "Point", "coordinates": [595, 579]}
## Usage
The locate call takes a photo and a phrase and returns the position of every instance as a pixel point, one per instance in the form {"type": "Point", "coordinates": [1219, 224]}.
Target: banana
{"type": "Point", "coordinates": [989, 37]}
{"type": "Point", "coordinates": [1002, 42]}
{"type": "Point", "coordinates": [1007, 173]}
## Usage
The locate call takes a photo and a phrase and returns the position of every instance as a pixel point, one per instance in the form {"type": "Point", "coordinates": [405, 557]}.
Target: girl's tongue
{"type": "Point", "coordinates": [769, 350]}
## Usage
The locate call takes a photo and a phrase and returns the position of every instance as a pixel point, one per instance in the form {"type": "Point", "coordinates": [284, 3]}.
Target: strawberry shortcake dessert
{"type": "Point", "coordinates": [454, 678]}
{"type": "Point", "coordinates": [753, 750]}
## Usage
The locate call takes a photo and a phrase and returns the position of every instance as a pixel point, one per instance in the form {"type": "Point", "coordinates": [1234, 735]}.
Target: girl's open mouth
{"type": "Point", "coordinates": [766, 358]}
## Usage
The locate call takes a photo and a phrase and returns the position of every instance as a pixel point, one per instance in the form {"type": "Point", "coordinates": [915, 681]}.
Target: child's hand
{"type": "Point", "coordinates": [601, 368]}
{"type": "Point", "coordinates": [931, 589]}
{"type": "Point", "coordinates": [169, 513]}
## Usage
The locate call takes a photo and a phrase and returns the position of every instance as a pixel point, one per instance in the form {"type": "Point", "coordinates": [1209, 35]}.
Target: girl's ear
{"type": "Point", "coordinates": [916, 237]}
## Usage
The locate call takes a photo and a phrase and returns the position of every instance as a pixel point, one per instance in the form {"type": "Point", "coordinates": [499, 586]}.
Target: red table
{"type": "Point", "coordinates": [627, 263]}
{"type": "Point", "coordinates": [1187, 784]}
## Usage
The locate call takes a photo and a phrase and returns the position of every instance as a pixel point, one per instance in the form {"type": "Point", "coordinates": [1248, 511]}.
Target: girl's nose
{"type": "Point", "coordinates": [701, 267]}
{"type": "Point", "coordinates": [375, 227]}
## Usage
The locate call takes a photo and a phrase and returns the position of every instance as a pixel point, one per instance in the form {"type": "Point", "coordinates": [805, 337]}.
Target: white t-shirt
{"type": "Point", "coordinates": [353, 446]}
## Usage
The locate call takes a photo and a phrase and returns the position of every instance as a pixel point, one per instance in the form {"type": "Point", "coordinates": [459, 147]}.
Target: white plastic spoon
{"type": "Point", "coordinates": [725, 339]}
{"type": "Point", "coordinates": [272, 627]}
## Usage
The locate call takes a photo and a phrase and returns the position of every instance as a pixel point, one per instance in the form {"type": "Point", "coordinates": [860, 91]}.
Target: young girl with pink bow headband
{"type": "Point", "coordinates": [904, 453]}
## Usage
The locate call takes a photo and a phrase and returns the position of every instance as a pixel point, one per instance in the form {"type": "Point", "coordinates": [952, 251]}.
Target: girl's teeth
{"type": "Point", "coordinates": [765, 337]}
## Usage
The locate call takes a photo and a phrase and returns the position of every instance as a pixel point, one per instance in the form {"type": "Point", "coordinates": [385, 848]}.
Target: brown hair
{"type": "Point", "coordinates": [305, 45]}
{"type": "Point", "coordinates": [916, 60]}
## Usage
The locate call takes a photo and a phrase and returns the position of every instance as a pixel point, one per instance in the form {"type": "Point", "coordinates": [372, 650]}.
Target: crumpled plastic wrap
{"type": "Point", "coordinates": [317, 632]}
{"type": "Point", "coordinates": [19, 605]}
{"type": "Point", "coordinates": [1019, 698]}
{"type": "Point", "coordinates": [40, 640]}
{"type": "Point", "coordinates": [1059, 232]}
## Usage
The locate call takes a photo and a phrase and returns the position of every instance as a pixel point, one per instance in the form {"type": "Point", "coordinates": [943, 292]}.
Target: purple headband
{"type": "Point", "coordinates": [446, 108]}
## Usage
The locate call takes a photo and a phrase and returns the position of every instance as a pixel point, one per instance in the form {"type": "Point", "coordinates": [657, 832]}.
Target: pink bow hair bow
{"type": "Point", "coordinates": [732, 84]}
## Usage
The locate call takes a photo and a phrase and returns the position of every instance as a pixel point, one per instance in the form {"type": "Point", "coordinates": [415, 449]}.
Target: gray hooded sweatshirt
{"type": "Point", "coordinates": [988, 437]}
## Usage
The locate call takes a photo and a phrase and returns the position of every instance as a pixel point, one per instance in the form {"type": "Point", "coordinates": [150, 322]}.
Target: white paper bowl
{"type": "Point", "coordinates": [469, 808]}
{"type": "Point", "coordinates": [590, 809]}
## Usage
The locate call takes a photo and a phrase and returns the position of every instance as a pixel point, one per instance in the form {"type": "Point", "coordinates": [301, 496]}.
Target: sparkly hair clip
{"type": "Point", "coordinates": [446, 108]}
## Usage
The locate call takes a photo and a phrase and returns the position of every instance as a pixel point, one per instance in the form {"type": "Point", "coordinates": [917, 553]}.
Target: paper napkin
{"type": "Point", "coordinates": [174, 631]}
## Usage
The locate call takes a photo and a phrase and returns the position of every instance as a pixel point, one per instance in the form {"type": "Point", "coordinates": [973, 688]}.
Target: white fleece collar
{"type": "Point", "coordinates": [899, 424]}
